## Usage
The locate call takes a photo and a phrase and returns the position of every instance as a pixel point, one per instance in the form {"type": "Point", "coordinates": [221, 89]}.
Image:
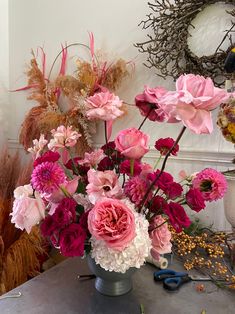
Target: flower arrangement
{"type": "Point", "coordinates": [109, 203]}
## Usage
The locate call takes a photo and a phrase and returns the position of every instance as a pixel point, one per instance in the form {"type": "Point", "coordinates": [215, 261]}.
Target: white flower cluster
{"type": "Point", "coordinates": [132, 256]}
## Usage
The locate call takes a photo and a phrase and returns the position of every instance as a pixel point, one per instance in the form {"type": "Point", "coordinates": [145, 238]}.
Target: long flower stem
{"type": "Point", "coordinates": [162, 168]}
{"type": "Point", "coordinates": [165, 221]}
{"type": "Point", "coordinates": [105, 132]}
{"type": "Point", "coordinates": [157, 162]}
{"type": "Point", "coordinates": [146, 117]}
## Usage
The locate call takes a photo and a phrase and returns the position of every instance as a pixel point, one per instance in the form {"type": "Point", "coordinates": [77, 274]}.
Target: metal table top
{"type": "Point", "coordinates": [58, 291]}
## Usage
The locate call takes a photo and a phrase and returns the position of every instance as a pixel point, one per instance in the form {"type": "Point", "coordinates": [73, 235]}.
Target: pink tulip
{"type": "Point", "coordinates": [132, 143]}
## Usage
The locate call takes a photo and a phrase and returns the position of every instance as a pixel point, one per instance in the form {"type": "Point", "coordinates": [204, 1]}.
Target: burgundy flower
{"type": "Point", "coordinates": [105, 164]}
{"type": "Point", "coordinates": [72, 240]}
{"type": "Point", "coordinates": [157, 204]}
{"type": "Point", "coordinates": [125, 167]}
{"type": "Point", "coordinates": [83, 220]}
{"type": "Point", "coordinates": [177, 216]}
{"type": "Point", "coordinates": [173, 190]}
{"type": "Point", "coordinates": [48, 226]}
{"type": "Point", "coordinates": [195, 200]}
{"type": "Point", "coordinates": [108, 148]}
{"type": "Point", "coordinates": [65, 212]}
{"type": "Point", "coordinates": [163, 145]}
{"type": "Point", "coordinates": [47, 156]}
{"type": "Point", "coordinates": [163, 182]}
{"type": "Point", "coordinates": [80, 169]}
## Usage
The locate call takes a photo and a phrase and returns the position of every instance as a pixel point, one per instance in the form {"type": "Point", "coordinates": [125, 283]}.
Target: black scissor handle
{"type": "Point", "coordinates": [174, 283]}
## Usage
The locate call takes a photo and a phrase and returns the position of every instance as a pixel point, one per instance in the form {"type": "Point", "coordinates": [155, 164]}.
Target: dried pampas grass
{"type": "Point", "coordinates": [115, 74]}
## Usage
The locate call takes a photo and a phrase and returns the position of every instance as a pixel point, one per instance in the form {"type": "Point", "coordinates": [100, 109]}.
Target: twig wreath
{"type": "Point", "coordinates": [167, 47]}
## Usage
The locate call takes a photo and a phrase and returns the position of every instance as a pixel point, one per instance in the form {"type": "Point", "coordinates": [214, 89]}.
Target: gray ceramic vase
{"type": "Point", "coordinates": [109, 282]}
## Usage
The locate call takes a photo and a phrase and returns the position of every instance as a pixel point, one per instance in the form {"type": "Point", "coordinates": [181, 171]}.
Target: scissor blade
{"type": "Point", "coordinates": [198, 278]}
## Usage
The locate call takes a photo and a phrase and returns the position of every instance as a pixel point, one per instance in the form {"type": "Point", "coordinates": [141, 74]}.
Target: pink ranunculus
{"type": "Point", "coordinates": [72, 240]}
{"type": "Point", "coordinates": [38, 146]}
{"type": "Point", "coordinates": [28, 210]}
{"type": "Point", "coordinates": [147, 102]}
{"type": "Point", "coordinates": [192, 102]}
{"type": "Point", "coordinates": [102, 184]}
{"type": "Point", "coordinates": [163, 145]}
{"type": "Point", "coordinates": [104, 106]}
{"type": "Point", "coordinates": [63, 137]}
{"type": "Point", "coordinates": [113, 222]}
{"type": "Point", "coordinates": [195, 200]}
{"type": "Point", "coordinates": [132, 143]}
{"type": "Point", "coordinates": [177, 216]}
{"type": "Point", "coordinates": [211, 183]}
{"type": "Point", "coordinates": [92, 159]}
{"type": "Point", "coordinates": [160, 236]}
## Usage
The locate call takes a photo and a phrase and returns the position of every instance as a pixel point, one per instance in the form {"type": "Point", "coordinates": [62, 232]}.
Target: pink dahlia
{"type": "Point", "coordinates": [135, 188]}
{"type": "Point", "coordinates": [47, 177]}
{"type": "Point", "coordinates": [211, 183]}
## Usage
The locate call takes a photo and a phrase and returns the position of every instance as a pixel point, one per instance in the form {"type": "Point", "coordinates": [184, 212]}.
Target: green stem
{"type": "Point", "coordinates": [157, 162]}
{"type": "Point", "coordinates": [132, 162]}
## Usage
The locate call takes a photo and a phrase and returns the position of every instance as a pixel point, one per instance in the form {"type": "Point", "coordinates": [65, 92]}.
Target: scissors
{"type": "Point", "coordinates": [173, 280]}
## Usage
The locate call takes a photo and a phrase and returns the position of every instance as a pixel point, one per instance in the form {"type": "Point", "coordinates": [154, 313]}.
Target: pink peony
{"type": "Point", "coordinates": [147, 102]}
{"type": "Point", "coordinates": [192, 102]}
{"type": "Point", "coordinates": [132, 143]}
{"type": "Point", "coordinates": [47, 177]}
{"type": "Point", "coordinates": [28, 210]}
{"type": "Point", "coordinates": [102, 184]}
{"type": "Point", "coordinates": [104, 106]}
{"type": "Point", "coordinates": [92, 159]}
{"type": "Point", "coordinates": [135, 189]}
{"type": "Point", "coordinates": [63, 137]}
{"type": "Point", "coordinates": [211, 183]}
{"type": "Point", "coordinates": [163, 145]}
{"type": "Point", "coordinates": [113, 222]}
{"type": "Point", "coordinates": [177, 216]}
{"type": "Point", "coordinates": [125, 167]}
{"type": "Point", "coordinates": [160, 236]}
{"type": "Point", "coordinates": [47, 156]}
{"type": "Point", "coordinates": [195, 200]}
{"type": "Point", "coordinates": [72, 240]}
{"type": "Point", "coordinates": [38, 146]}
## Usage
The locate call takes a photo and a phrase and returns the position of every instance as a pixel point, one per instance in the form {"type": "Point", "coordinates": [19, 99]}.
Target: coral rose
{"type": "Point", "coordinates": [113, 222]}
{"type": "Point", "coordinates": [132, 143]}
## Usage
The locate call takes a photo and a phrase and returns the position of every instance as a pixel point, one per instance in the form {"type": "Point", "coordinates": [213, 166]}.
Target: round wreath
{"type": "Point", "coordinates": [168, 49]}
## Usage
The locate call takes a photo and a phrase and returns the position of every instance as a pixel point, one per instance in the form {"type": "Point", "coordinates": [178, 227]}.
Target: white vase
{"type": "Point", "coordinates": [229, 201]}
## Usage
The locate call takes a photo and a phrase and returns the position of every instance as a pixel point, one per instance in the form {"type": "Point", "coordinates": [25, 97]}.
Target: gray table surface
{"type": "Point", "coordinates": [58, 291]}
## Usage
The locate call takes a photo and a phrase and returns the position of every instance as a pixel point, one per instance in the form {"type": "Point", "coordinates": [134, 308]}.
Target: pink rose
{"type": "Point", "coordinates": [63, 137]}
{"type": "Point", "coordinates": [160, 236]}
{"type": "Point", "coordinates": [132, 143]}
{"type": "Point", "coordinates": [113, 222]}
{"type": "Point", "coordinates": [104, 106]}
{"type": "Point", "coordinates": [177, 216]}
{"type": "Point", "coordinates": [195, 200]}
{"type": "Point", "coordinates": [72, 240]}
{"type": "Point", "coordinates": [28, 210]}
{"type": "Point", "coordinates": [147, 102]}
{"type": "Point", "coordinates": [102, 184]}
{"type": "Point", "coordinates": [192, 102]}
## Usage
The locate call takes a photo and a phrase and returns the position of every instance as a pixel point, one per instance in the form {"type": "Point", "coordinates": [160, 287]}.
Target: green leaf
{"type": "Point", "coordinates": [79, 209]}
{"type": "Point", "coordinates": [81, 187]}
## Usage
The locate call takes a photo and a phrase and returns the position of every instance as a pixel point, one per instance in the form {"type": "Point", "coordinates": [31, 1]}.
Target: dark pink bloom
{"type": "Point", "coordinates": [163, 145]}
{"type": "Point", "coordinates": [177, 216]}
{"type": "Point", "coordinates": [195, 200]}
{"type": "Point", "coordinates": [135, 188]}
{"type": "Point", "coordinates": [163, 182]}
{"type": "Point", "coordinates": [211, 183]}
{"type": "Point", "coordinates": [112, 221]}
{"type": "Point", "coordinates": [83, 220]}
{"type": "Point", "coordinates": [47, 156]}
{"type": "Point", "coordinates": [173, 190]}
{"type": "Point", "coordinates": [48, 226]}
{"type": "Point", "coordinates": [47, 177]}
{"type": "Point", "coordinates": [108, 148]}
{"type": "Point", "coordinates": [82, 170]}
{"type": "Point", "coordinates": [72, 240]}
{"type": "Point", "coordinates": [105, 164]}
{"type": "Point", "coordinates": [148, 102]}
{"type": "Point", "coordinates": [65, 212]}
{"type": "Point", "coordinates": [125, 167]}
{"type": "Point", "coordinates": [157, 204]}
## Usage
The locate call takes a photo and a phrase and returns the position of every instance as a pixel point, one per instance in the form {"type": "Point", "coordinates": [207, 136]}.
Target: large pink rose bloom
{"type": "Point", "coordinates": [160, 236]}
{"type": "Point", "coordinates": [28, 210]}
{"type": "Point", "coordinates": [104, 106]}
{"type": "Point", "coordinates": [192, 102]}
{"type": "Point", "coordinates": [147, 102]}
{"type": "Point", "coordinates": [132, 143]}
{"type": "Point", "coordinates": [113, 222]}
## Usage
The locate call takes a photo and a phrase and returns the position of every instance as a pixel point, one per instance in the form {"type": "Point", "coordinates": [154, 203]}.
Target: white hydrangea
{"type": "Point", "coordinates": [132, 256]}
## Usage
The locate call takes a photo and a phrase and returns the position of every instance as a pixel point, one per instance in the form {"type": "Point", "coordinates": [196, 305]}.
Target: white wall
{"type": "Point", "coordinates": [48, 23]}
